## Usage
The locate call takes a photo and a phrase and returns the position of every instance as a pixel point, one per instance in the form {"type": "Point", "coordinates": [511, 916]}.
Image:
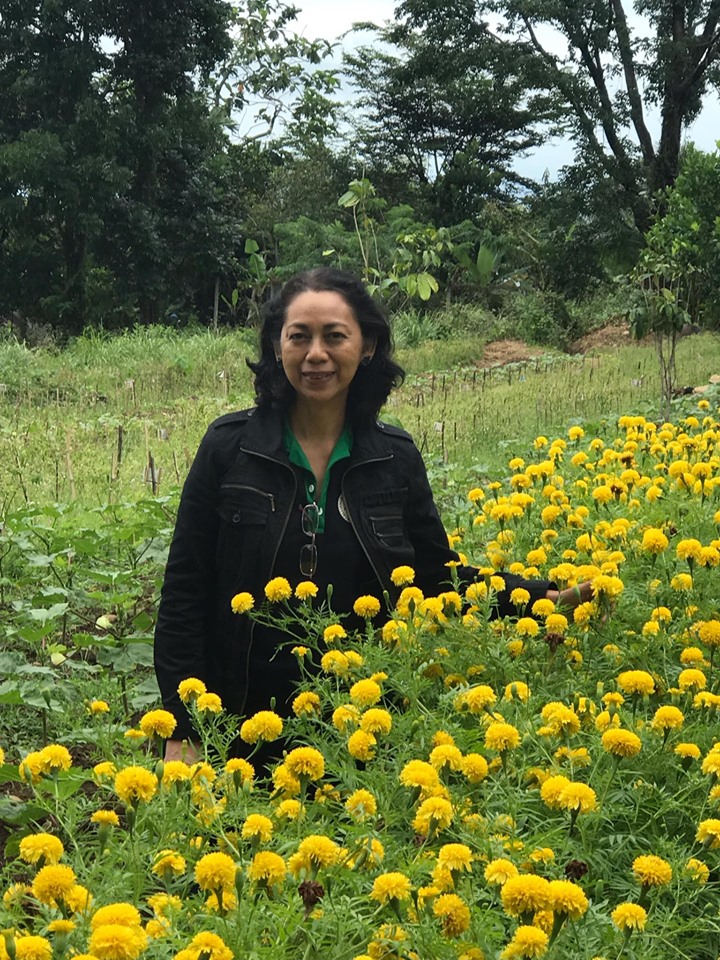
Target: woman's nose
{"type": "Point", "coordinates": [316, 349]}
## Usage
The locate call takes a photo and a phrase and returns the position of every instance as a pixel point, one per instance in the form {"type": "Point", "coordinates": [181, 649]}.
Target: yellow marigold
{"type": "Point", "coordinates": [242, 602]}
{"type": "Point", "coordinates": [433, 815]}
{"type": "Point", "coordinates": [446, 755]}
{"type": "Point", "coordinates": [517, 690]}
{"type": "Point", "coordinates": [207, 945]}
{"type": "Point", "coordinates": [709, 632]}
{"type": "Point", "coordinates": [240, 770]}
{"type": "Point", "coordinates": [475, 699]}
{"type": "Point", "coordinates": [208, 703]}
{"type": "Point", "coordinates": [561, 720]}
{"type": "Point", "coordinates": [290, 809]}
{"type": "Point", "coordinates": [376, 720]}
{"type": "Point", "coordinates": [306, 590]}
{"type": "Point", "coordinates": [499, 871]}
{"type": "Point", "coordinates": [525, 893]}
{"type": "Point", "coordinates": [61, 926]}
{"type": "Point", "coordinates": [361, 745]}
{"type": "Point", "coordinates": [455, 856]}
{"type": "Point", "coordinates": [654, 541]}
{"type": "Point", "coordinates": [578, 798]}
{"type": "Point", "coordinates": [121, 913]}
{"type": "Point", "coordinates": [133, 784]}
{"type": "Point", "coordinates": [98, 706]}
{"type": "Point", "coordinates": [50, 760]}
{"type": "Point", "coordinates": [402, 576]}
{"type": "Point", "coordinates": [698, 870]}
{"type": "Point", "coordinates": [190, 688]}
{"type": "Point", "coordinates": [215, 871]}
{"type": "Point", "coordinates": [361, 804]}
{"type": "Point", "coordinates": [607, 586]}
{"type": "Point", "coordinates": [305, 762]}
{"type": "Point", "coordinates": [365, 693]}
{"type": "Point", "coordinates": [454, 913]}
{"type": "Point", "coordinates": [159, 723]}
{"type": "Point", "coordinates": [113, 941]}
{"type": "Point", "coordinates": [419, 774]}
{"type": "Point", "coordinates": [409, 600]}
{"type": "Point", "coordinates": [621, 743]}
{"type": "Point", "coordinates": [692, 679]}
{"type": "Point", "coordinates": [42, 848]}
{"type": "Point", "coordinates": [667, 718]}
{"type": "Point", "coordinates": [567, 899]}
{"type": "Point", "coordinates": [335, 662]}
{"type": "Point", "coordinates": [31, 947]}
{"type": "Point", "coordinates": [527, 627]}
{"type": "Point", "coordinates": [629, 916]}
{"type": "Point", "coordinates": [257, 825]}
{"type": "Point", "coordinates": [502, 737]}
{"type": "Point", "coordinates": [652, 871]}
{"type": "Point", "coordinates": [175, 771]}
{"type": "Point", "coordinates": [636, 682]}
{"type": "Point", "coordinates": [527, 941]}
{"type": "Point", "coordinates": [319, 850]}
{"type": "Point", "coordinates": [519, 597]}
{"type": "Point", "coordinates": [278, 589]}
{"type": "Point", "coordinates": [264, 725]}
{"type": "Point", "coordinates": [306, 703]}
{"type": "Point", "coordinates": [345, 716]}
{"type": "Point", "coordinates": [708, 833]}
{"type": "Point", "coordinates": [391, 887]}
{"type": "Point", "coordinates": [53, 883]}
{"type": "Point", "coordinates": [693, 656]}
{"type": "Point", "coordinates": [267, 868]}
{"type": "Point", "coordinates": [333, 633]}
{"type": "Point", "coordinates": [551, 790]}
{"type": "Point", "coordinates": [687, 751]}
{"type": "Point", "coordinates": [689, 550]}
{"type": "Point", "coordinates": [367, 607]}
{"type": "Point", "coordinates": [168, 864]}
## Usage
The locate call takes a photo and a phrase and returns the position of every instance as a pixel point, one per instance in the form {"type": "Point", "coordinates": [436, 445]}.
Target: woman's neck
{"type": "Point", "coordinates": [314, 425]}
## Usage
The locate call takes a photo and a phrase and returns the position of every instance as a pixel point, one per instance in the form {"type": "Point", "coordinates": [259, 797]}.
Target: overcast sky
{"type": "Point", "coordinates": [329, 19]}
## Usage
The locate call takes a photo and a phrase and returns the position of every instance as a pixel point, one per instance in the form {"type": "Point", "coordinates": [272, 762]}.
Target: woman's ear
{"type": "Point", "coordinates": [368, 351]}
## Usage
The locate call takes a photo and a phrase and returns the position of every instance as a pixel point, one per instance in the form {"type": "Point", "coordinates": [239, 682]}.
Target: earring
{"type": "Point", "coordinates": [365, 362]}
{"type": "Point", "coordinates": [278, 361]}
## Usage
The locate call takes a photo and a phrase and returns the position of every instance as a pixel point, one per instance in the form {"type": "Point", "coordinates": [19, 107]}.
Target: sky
{"type": "Point", "coordinates": [329, 19]}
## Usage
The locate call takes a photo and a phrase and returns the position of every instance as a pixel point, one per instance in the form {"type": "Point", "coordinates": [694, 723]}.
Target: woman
{"type": "Point", "coordinates": [306, 485]}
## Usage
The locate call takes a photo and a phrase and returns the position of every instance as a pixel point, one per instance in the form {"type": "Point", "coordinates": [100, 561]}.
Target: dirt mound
{"type": "Point", "coordinates": [613, 335]}
{"type": "Point", "coordinates": [500, 352]}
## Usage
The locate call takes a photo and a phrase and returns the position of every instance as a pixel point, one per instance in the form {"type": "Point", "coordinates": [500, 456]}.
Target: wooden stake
{"type": "Point", "coordinates": [68, 466]}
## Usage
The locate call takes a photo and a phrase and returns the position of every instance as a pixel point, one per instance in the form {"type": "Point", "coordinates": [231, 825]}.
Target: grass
{"type": "Point", "coordinates": [83, 424]}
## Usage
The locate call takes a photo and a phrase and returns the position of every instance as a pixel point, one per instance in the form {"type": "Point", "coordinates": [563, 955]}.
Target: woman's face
{"type": "Point", "coordinates": [321, 347]}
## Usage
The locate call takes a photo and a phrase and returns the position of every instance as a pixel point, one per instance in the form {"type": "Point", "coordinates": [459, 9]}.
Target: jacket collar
{"type": "Point", "coordinates": [264, 436]}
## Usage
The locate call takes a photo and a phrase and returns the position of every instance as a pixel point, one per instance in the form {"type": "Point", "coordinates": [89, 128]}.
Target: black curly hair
{"type": "Point", "coordinates": [372, 383]}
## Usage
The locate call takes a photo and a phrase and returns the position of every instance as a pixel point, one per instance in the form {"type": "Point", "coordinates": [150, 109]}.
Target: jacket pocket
{"type": "Point", "coordinates": [242, 505]}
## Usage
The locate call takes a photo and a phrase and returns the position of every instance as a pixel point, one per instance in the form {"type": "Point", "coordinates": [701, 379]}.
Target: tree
{"type": "Point", "coordinates": [604, 72]}
{"type": "Point", "coordinates": [447, 112]}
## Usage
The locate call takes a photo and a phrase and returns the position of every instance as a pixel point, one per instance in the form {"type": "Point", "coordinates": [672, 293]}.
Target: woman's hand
{"type": "Point", "coordinates": [184, 750]}
{"type": "Point", "coordinates": [571, 597]}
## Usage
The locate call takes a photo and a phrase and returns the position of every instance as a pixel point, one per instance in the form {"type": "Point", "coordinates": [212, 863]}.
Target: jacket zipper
{"type": "Point", "coordinates": [244, 486]}
{"type": "Point", "coordinates": [264, 456]}
{"type": "Point", "coordinates": [352, 519]}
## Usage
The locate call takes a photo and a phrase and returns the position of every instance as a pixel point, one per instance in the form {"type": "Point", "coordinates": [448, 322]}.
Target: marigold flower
{"type": "Point", "coordinates": [652, 871]}
{"type": "Point", "coordinates": [257, 825]}
{"type": "Point", "coordinates": [208, 703]}
{"type": "Point", "coordinates": [113, 941]}
{"type": "Point", "coordinates": [519, 597]}
{"type": "Point", "coordinates": [306, 703]}
{"type": "Point", "coordinates": [419, 774]}
{"type": "Point", "coordinates": [525, 893]}
{"type": "Point", "coordinates": [577, 797]}
{"type": "Point", "coordinates": [345, 716]}
{"type": "Point", "coordinates": [305, 762]}
{"type": "Point", "coordinates": [621, 743]}
{"type": "Point", "coordinates": [446, 755]}
{"type": "Point", "coordinates": [708, 833]}
{"type": "Point", "coordinates": [125, 914]}
{"type": "Point", "coordinates": [366, 607]}
{"type": "Point", "coordinates": [692, 679]}
{"type": "Point", "coordinates": [561, 720]}
{"type": "Point", "coordinates": [667, 718]}
{"type": "Point", "coordinates": [454, 913]}
{"type": "Point", "coordinates": [37, 847]}
{"type": "Point", "coordinates": [552, 788]}
{"type": "Point", "coordinates": [527, 941]}
{"type": "Point", "coordinates": [278, 589]}
{"type": "Point", "coordinates": [455, 856]}
{"type": "Point", "coordinates": [264, 725]}
{"type": "Point", "coordinates": [190, 688]}
{"type": "Point", "coordinates": [567, 899]}
{"type": "Point", "coordinates": [517, 689]}
{"type": "Point", "coordinates": [98, 706]}
{"type": "Point", "coordinates": [376, 720]}
{"type": "Point", "coordinates": [53, 882]}
{"type": "Point", "coordinates": [159, 723]}
{"type": "Point", "coordinates": [475, 699]}
{"type": "Point", "coordinates": [361, 804]}
{"type": "Point", "coordinates": [306, 590]}
{"type": "Point", "coordinates": [709, 632]}
{"type": "Point", "coordinates": [133, 784]}
{"type": "Point", "coordinates": [168, 863]}
{"type": "Point", "coordinates": [215, 871]}
{"type": "Point", "coordinates": [402, 576]}
{"type": "Point", "coordinates": [636, 682]}
{"type": "Point", "coordinates": [629, 916]}
{"type": "Point", "coordinates": [365, 693]}
{"type": "Point", "coordinates": [242, 602]}
{"type": "Point", "coordinates": [687, 751]}
{"type": "Point", "coordinates": [290, 809]}
{"type": "Point", "coordinates": [319, 850]}
{"type": "Point", "coordinates": [333, 633]}
{"type": "Point", "coordinates": [361, 745]}
{"type": "Point", "coordinates": [207, 945]}
{"type": "Point", "coordinates": [502, 737]}
{"type": "Point", "coordinates": [30, 947]}
{"type": "Point", "coordinates": [267, 868]}
{"type": "Point", "coordinates": [527, 627]}
{"type": "Point", "coordinates": [654, 541]}
{"type": "Point", "coordinates": [499, 871]}
{"type": "Point", "coordinates": [699, 871]}
{"type": "Point", "coordinates": [175, 771]}
{"type": "Point", "coordinates": [433, 815]}
{"type": "Point", "coordinates": [391, 886]}
{"type": "Point", "coordinates": [689, 550]}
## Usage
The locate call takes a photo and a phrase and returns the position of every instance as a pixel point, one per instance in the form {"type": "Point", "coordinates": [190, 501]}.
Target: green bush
{"type": "Point", "coordinates": [541, 317]}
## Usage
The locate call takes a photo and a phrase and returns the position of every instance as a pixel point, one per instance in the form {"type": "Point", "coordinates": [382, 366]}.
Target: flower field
{"type": "Point", "coordinates": [451, 786]}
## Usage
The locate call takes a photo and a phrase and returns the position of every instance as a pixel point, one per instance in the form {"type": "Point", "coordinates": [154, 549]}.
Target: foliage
{"type": "Point", "coordinates": [541, 317]}
{"type": "Point", "coordinates": [443, 711]}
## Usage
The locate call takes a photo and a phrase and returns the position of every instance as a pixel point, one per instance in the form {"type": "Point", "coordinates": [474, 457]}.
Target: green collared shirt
{"type": "Point", "coordinates": [296, 455]}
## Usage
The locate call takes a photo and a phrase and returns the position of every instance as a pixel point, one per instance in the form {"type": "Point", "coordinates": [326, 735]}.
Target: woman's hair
{"type": "Point", "coordinates": [373, 381]}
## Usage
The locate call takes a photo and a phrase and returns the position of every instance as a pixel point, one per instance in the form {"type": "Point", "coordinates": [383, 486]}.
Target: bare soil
{"type": "Point", "coordinates": [501, 352]}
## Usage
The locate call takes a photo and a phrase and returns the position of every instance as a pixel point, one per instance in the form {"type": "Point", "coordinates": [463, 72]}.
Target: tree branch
{"type": "Point", "coordinates": [631, 84]}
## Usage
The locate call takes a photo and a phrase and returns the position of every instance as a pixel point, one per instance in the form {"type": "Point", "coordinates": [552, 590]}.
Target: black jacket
{"type": "Point", "coordinates": [233, 513]}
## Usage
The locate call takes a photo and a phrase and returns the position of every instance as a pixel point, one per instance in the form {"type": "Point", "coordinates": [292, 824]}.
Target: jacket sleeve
{"type": "Point", "coordinates": [186, 599]}
{"type": "Point", "coordinates": [433, 554]}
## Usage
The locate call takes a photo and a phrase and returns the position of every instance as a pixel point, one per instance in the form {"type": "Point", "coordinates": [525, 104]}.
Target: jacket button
{"type": "Point", "coordinates": [236, 518]}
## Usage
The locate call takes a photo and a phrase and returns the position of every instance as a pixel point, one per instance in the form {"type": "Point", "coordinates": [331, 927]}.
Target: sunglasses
{"type": "Point", "coordinates": [308, 553]}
